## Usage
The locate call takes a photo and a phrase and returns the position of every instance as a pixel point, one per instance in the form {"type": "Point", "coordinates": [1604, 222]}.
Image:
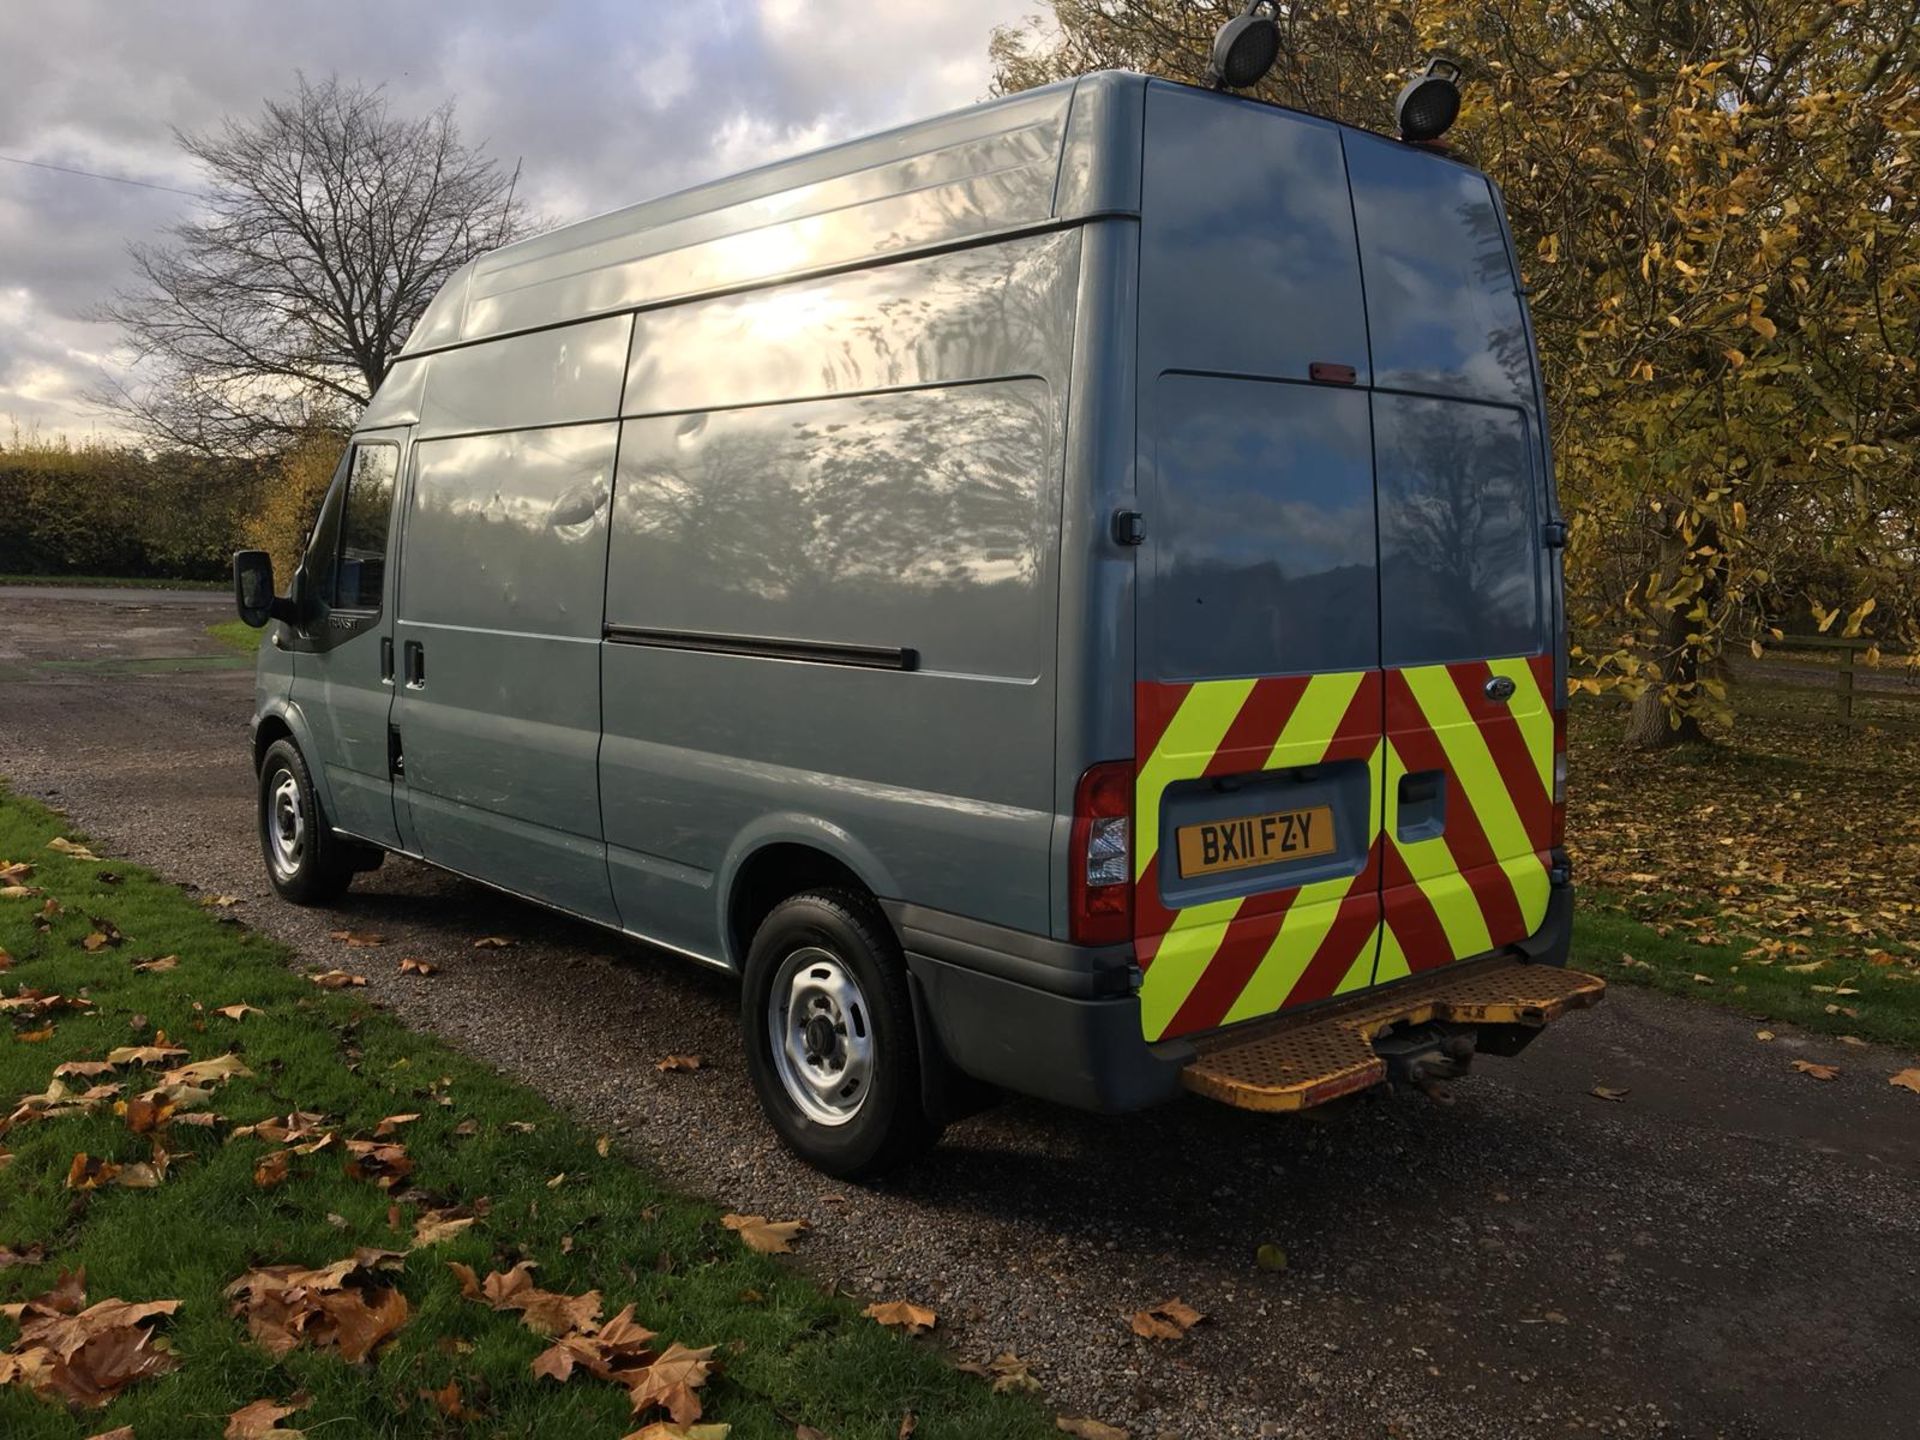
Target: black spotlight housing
{"type": "Point", "coordinates": [1245, 48]}
{"type": "Point", "coordinates": [1429, 103]}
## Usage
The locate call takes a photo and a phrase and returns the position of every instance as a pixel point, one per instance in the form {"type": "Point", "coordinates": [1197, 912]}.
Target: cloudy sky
{"type": "Point", "coordinates": [604, 102]}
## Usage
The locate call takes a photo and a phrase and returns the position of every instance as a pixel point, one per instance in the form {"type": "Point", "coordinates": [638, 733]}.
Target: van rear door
{"type": "Point", "coordinates": [1468, 589]}
{"type": "Point", "coordinates": [1258, 705]}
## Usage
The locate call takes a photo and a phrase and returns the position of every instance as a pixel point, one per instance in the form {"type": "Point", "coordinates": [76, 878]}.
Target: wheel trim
{"type": "Point", "coordinates": [286, 824]}
{"type": "Point", "coordinates": [820, 1031]}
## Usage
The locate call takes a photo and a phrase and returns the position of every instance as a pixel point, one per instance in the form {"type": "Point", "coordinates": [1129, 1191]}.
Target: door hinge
{"type": "Point", "coordinates": [1554, 532]}
{"type": "Point", "coordinates": [1129, 527]}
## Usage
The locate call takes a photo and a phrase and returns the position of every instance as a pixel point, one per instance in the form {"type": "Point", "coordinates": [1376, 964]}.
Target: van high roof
{"type": "Point", "coordinates": [1053, 155]}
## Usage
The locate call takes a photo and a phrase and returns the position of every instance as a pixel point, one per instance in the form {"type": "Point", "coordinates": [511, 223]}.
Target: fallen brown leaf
{"type": "Point", "coordinates": [273, 1169]}
{"type": "Point", "coordinates": [382, 1162]}
{"type": "Point", "coordinates": [448, 1402]}
{"type": "Point", "coordinates": [337, 979]}
{"type": "Point", "coordinates": [1816, 1070]}
{"type": "Point", "coordinates": [669, 1383]}
{"type": "Point", "coordinates": [1086, 1429]}
{"type": "Point", "coordinates": [1007, 1372]}
{"type": "Point", "coordinates": [768, 1237]}
{"type": "Point", "coordinates": [239, 1012]}
{"type": "Point", "coordinates": [348, 1305]}
{"type": "Point", "coordinates": [437, 1225]}
{"type": "Point", "coordinates": [145, 1055]}
{"type": "Point", "coordinates": [1168, 1320]}
{"type": "Point", "coordinates": [902, 1315]}
{"type": "Point", "coordinates": [356, 941]}
{"type": "Point", "coordinates": [261, 1420]}
{"type": "Point", "coordinates": [159, 966]}
{"type": "Point", "coordinates": [391, 1125]}
{"type": "Point", "coordinates": [1906, 1080]}
{"type": "Point", "coordinates": [546, 1312]}
{"type": "Point", "coordinates": [84, 1356]}
{"type": "Point", "coordinates": [493, 942]}
{"type": "Point", "coordinates": [661, 1430]}
{"type": "Point", "coordinates": [678, 1062]}
{"type": "Point", "coordinates": [410, 966]}
{"type": "Point", "coordinates": [1607, 1092]}
{"type": "Point", "coordinates": [69, 849]}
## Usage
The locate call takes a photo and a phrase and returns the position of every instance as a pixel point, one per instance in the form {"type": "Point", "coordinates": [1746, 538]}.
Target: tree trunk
{"type": "Point", "coordinates": [1650, 723]}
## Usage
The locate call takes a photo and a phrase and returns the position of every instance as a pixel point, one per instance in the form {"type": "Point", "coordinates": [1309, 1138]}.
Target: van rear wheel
{"type": "Point", "coordinates": [306, 862]}
{"type": "Point", "coordinates": [829, 1036]}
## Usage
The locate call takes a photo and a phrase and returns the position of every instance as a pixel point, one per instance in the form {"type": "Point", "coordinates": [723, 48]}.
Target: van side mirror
{"type": "Point", "coordinates": [253, 590]}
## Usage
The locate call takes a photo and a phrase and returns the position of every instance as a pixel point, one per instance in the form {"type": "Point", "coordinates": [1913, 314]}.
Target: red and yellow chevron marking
{"type": "Point", "coordinates": [1212, 964]}
{"type": "Point", "coordinates": [1480, 884]}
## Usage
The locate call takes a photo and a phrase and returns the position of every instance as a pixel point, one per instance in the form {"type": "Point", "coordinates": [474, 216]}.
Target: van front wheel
{"type": "Point", "coordinates": [829, 1035]}
{"type": "Point", "coordinates": [306, 862]}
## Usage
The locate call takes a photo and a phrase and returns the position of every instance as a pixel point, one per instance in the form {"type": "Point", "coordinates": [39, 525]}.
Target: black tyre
{"type": "Point", "coordinates": [307, 863]}
{"type": "Point", "coordinates": [829, 1036]}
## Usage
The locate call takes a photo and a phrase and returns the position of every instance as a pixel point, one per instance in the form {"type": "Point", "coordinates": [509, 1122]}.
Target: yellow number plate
{"type": "Point", "coordinates": [1252, 840]}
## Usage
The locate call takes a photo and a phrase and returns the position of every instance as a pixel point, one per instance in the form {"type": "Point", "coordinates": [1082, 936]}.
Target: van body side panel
{"type": "Point", "coordinates": [832, 592]}
{"type": "Point", "coordinates": [503, 573]}
{"type": "Point", "coordinates": [1259, 708]}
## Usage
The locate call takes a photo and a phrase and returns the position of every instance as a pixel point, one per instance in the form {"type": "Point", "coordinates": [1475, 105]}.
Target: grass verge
{"type": "Point", "coordinates": [543, 1191]}
{"type": "Point", "coordinates": [113, 582]}
{"type": "Point", "coordinates": [236, 635]}
{"type": "Point", "coordinates": [1817, 982]}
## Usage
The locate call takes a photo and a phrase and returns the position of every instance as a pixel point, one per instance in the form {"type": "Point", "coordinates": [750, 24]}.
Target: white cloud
{"type": "Point", "coordinates": [603, 102]}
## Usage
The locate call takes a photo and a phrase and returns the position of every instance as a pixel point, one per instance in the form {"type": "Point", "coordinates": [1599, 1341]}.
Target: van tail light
{"type": "Point", "coordinates": [1558, 831]}
{"type": "Point", "coordinates": [1100, 864]}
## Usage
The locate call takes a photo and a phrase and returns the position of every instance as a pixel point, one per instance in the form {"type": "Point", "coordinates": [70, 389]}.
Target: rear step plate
{"type": "Point", "coordinates": [1293, 1062]}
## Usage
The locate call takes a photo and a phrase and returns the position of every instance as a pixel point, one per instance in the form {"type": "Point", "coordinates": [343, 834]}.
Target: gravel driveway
{"type": "Point", "coordinates": [1734, 1250]}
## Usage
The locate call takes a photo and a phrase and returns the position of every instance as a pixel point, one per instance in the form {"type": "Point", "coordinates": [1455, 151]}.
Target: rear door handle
{"type": "Point", "coordinates": [416, 658]}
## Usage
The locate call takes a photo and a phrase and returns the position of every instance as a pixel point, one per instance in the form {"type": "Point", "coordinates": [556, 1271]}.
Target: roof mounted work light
{"type": "Point", "coordinates": [1245, 48]}
{"type": "Point", "coordinates": [1430, 102]}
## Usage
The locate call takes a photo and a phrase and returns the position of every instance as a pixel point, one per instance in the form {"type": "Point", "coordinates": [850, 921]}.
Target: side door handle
{"type": "Point", "coordinates": [416, 658]}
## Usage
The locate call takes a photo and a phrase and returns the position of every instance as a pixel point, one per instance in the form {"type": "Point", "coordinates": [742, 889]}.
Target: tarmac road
{"type": "Point", "coordinates": [1734, 1250]}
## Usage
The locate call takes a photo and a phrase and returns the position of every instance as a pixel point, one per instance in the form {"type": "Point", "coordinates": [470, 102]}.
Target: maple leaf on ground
{"type": "Point", "coordinates": [119, 1432]}
{"type": "Point", "coordinates": [84, 1355]}
{"type": "Point", "coordinates": [355, 940]}
{"type": "Point", "coordinates": [159, 966]}
{"type": "Point", "coordinates": [382, 1162]}
{"type": "Point", "coordinates": [493, 942]}
{"type": "Point", "coordinates": [1169, 1320]}
{"type": "Point", "coordinates": [448, 1402]}
{"type": "Point", "coordinates": [1906, 1080]}
{"type": "Point", "coordinates": [145, 1055]}
{"type": "Point", "coordinates": [545, 1312]}
{"type": "Point", "coordinates": [69, 849]}
{"type": "Point", "coordinates": [1007, 1372]}
{"type": "Point", "coordinates": [391, 1125]}
{"type": "Point", "coordinates": [768, 1237]}
{"type": "Point", "coordinates": [661, 1430]}
{"type": "Point", "coordinates": [669, 1383]}
{"type": "Point", "coordinates": [437, 1225]}
{"type": "Point", "coordinates": [347, 1304]}
{"type": "Point", "coordinates": [239, 1012]}
{"type": "Point", "coordinates": [1817, 1071]}
{"type": "Point", "coordinates": [410, 966]}
{"type": "Point", "coordinates": [337, 979]}
{"type": "Point", "coordinates": [678, 1062]}
{"type": "Point", "coordinates": [273, 1169]}
{"type": "Point", "coordinates": [261, 1420]}
{"type": "Point", "coordinates": [1083, 1428]}
{"type": "Point", "coordinates": [902, 1315]}
{"type": "Point", "coordinates": [220, 1068]}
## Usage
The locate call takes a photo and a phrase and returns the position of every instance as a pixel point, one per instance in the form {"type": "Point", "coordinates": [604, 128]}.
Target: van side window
{"type": "Point", "coordinates": [360, 569]}
{"type": "Point", "coordinates": [1459, 540]}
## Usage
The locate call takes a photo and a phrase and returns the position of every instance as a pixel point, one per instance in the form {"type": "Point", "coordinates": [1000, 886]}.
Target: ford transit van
{"type": "Point", "coordinates": [1061, 598]}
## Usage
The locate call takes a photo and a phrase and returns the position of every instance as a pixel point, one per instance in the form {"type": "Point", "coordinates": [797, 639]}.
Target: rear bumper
{"type": "Point", "coordinates": [1062, 1022]}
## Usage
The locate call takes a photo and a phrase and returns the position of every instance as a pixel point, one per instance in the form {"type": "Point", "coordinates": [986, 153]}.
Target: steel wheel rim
{"type": "Point", "coordinates": [821, 1034]}
{"type": "Point", "coordinates": [286, 825]}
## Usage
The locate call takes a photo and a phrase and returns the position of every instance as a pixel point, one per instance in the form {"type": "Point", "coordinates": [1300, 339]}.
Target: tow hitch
{"type": "Point", "coordinates": [1426, 1057]}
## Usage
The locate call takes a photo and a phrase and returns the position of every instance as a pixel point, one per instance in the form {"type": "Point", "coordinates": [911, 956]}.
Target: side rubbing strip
{"type": "Point", "coordinates": [816, 652]}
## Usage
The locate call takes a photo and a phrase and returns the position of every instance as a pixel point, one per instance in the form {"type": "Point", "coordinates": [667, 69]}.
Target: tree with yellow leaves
{"type": "Point", "coordinates": [1716, 205]}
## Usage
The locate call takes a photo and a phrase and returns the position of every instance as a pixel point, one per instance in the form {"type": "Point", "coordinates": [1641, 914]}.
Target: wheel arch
{"type": "Point", "coordinates": [283, 721]}
{"type": "Point", "coordinates": [782, 857]}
